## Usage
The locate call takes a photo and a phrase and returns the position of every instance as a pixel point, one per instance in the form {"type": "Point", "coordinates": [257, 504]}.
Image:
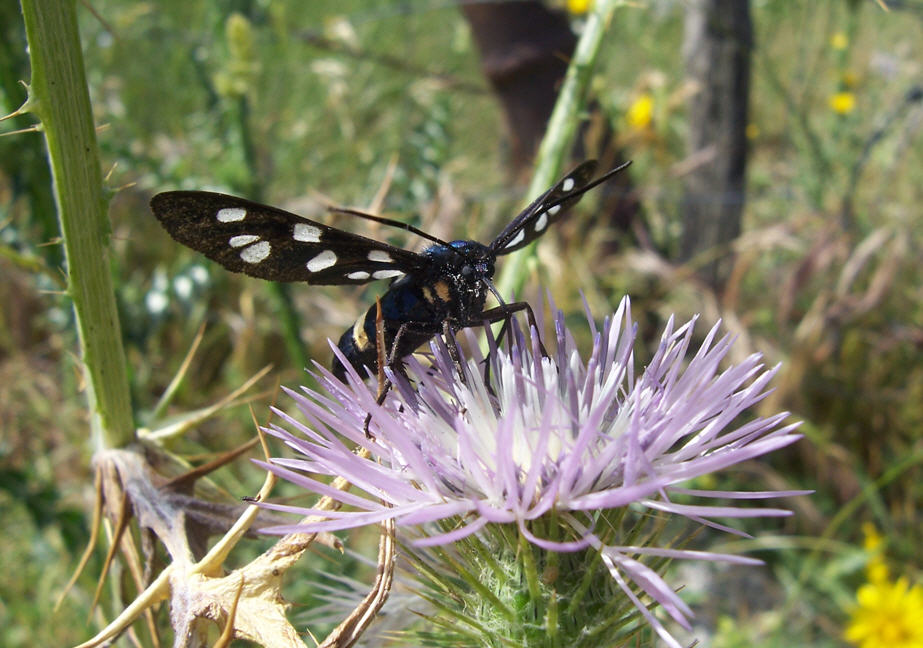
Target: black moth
{"type": "Point", "coordinates": [439, 290]}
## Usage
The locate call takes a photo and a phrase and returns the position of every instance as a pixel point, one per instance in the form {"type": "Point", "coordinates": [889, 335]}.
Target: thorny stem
{"type": "Point", "coordinates": [58, 96]}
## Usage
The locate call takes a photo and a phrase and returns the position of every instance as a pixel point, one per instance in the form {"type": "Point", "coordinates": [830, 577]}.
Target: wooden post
{"type": "Point", "coordinates": [717, 47]}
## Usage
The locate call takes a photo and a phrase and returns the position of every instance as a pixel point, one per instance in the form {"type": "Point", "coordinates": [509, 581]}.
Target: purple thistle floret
{"type": "Point", "coordinates": [549, 434]}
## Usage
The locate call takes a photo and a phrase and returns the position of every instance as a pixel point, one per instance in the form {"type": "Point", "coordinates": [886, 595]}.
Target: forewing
{"type": "Point", "coordinates": [269, 243]}
{"type": "Point", "coordinates": [544, 210]}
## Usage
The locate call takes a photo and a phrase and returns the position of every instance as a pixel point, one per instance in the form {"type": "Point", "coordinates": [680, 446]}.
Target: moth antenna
{"type": "Point", "coordinates": [390, 222]}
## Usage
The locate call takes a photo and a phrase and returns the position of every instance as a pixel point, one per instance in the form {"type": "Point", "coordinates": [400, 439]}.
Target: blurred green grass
{"type": "Point", "coordinates": [326, 96]}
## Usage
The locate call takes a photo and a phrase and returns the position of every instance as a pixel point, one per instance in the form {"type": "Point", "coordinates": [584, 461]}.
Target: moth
{"type": "Point", "coordinates": [440, 290]}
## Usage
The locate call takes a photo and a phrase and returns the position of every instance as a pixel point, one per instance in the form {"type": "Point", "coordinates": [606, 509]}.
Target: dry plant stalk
{"type": "Point", "coordinates": [247, 602]}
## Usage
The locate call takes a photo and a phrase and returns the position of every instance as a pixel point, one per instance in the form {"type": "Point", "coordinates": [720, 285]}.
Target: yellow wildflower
{"type": "Point", "coordinates": [839, 41]}
{"type": "Point", "coordinates": [887, 616]}
{"type": "Point", "coordinates": [876, 570]}
{"type": "Point", "coordinates": [873, 541]}
{"type": "Point", "coordinates": [640, 112]}
{"type": "Point", "coordinates": [752, 131]}
{"type": "Point", "coordinates": [842, 103]}
{"type": "Point", "coordinates": [579, 7]}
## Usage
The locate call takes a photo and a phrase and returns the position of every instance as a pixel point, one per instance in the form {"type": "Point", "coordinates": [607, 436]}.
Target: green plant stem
{"type": "Point", "coordinates": [559, 137]}
{"type": "Point", "coordinates": [58, 96]}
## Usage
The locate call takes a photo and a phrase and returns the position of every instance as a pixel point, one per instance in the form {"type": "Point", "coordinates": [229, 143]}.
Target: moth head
{"type": "Point", "coordinates": [476, 261]}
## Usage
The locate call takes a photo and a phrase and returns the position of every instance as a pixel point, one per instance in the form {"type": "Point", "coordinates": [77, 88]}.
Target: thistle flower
{"type": "Point", "coordinates": [556, 455]}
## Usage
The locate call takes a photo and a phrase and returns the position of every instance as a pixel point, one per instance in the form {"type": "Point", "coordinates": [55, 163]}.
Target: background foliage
{"type": "Point", "coordinates": [299, 104]}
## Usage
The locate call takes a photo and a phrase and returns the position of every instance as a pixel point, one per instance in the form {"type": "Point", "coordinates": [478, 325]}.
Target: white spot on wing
{"type": "Point", "coordinates": [242, 240]}
{"type": "Point", "coordinates": [322, 261]}
{"type": "Point", "coordinates": [521, 234]}
{"type": "Point", "coordinates": [380, 255]}
{"type": "Point", "coordinates": [386, 274]}
{"type": "Point", "coordinates": [307, 233]}
{"type": "Point", "coordinates": [568, 184]}
{"type": "Point", "coordinates": [231, 214]}
{"type": "Point", "coordinates": [554, 210]}
{"type": "Point", "coordinates": [256, 252]}
{"type": "Point", "coordinates": [358, 275]}
{"type": "Point", "coordinates": [541, 221]}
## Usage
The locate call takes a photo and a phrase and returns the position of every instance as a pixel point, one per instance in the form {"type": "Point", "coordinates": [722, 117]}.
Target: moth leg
{"type": "Point", "coordinates": [504, 313]}
{"type": "Point", "coordinates": [448, 333]}
{"type": "Point", "coordinates": [384, 383]}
